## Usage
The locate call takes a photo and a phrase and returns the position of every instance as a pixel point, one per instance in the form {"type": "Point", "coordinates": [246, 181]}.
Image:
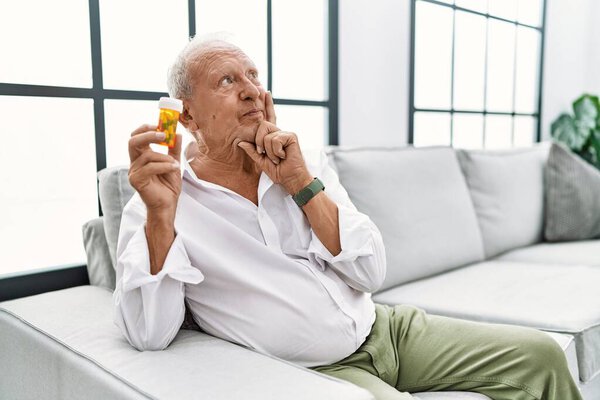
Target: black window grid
{"type": "Point", "coordinates": [413, 109]}
{"type": "Point", "coordinates": [98, 94]}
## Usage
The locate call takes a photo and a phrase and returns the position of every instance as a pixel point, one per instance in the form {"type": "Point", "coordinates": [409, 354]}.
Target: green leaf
{"type": "Point", "coordinates": [565, 130]}
{"type": "Point", "coordinates": [595, 139]}
{"type": "Point", "coordinates": [586, 110]}
{"type": "Point", "coordinates": [596, 101]}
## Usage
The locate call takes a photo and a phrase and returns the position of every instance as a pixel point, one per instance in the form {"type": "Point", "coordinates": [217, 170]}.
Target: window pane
{"type": "Point", "coordinates": [467, 131]}
{"type": "Point", "coordinates": [528, 61]}
{"type": "Point", "coordinates": [433, 55]}
{"type": "Point", "coordinates": [136, 50]}
{"type": "Point", "coordinates": [525, 131]}
{"type": "Point", "coordinates": [34, 33]}
{"type": "Point", "coordinates": [299, 60]}
{"type": "Point", "coordinates": [475, 5]}
{"type": "Point", "coordinates": [124, 116]}
{"type": "Point", "coordinates": [498, 132]}
{"type": "Point", "coordinates": [308, 122]}
{"type": "Point", "coordinates": [469, 61]}
{"type": "Point", "coordinates": [501, 47]}
{"type": "Point", "coordinates": [503, 8]}
{"type": "Point", "coordinates": [243, 21]}
{"type": "Point", "coordinates": [52, 191]}
{"type": "Point", "coordinates": [431, 129]}
{"type": "Point", "coordinates": [530, 12]}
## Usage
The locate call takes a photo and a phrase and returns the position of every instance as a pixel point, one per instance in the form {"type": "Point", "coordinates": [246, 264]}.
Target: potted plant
{"type": "Point", "coordinates": [581, 131]}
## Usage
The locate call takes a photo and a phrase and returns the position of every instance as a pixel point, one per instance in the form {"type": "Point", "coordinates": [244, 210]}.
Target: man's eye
{"type": "Point", "coordinates": [226, 81]}
{"type": "Point", "coordinates": [253, 74]}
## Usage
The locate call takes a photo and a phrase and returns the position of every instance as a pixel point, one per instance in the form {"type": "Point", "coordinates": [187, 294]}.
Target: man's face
{"type": "Point", "coordinates": [228, 100]}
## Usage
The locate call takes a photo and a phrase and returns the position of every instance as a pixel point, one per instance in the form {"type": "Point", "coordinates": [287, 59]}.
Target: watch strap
{"type": "Point", "coordinates": [308, 192]}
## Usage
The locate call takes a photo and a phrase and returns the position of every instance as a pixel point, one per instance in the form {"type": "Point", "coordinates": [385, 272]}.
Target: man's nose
{"type": "Point", "coordinates": [249, 90]}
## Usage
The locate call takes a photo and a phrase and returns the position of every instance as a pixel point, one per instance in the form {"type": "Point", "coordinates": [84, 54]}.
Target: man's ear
{"type": "Point", "coordinates": [186, 119]}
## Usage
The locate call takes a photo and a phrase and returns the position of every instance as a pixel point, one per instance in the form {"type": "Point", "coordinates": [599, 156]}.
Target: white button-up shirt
{"type": "Point", "coordinates": [254, 275]}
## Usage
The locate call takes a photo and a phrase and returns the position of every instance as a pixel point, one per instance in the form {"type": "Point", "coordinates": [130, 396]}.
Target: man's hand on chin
{"type": "Point", "coordinates": [277, 152]}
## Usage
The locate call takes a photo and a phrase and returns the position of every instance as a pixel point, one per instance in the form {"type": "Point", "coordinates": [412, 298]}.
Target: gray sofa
{"type": "Point", "coordinates": [463, 234]}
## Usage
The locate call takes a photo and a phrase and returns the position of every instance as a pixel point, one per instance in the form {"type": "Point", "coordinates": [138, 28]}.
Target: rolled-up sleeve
{"type": "Point", "coordinates": [149, 309]}
{"type": "Point", "coordinates": [361, 263]}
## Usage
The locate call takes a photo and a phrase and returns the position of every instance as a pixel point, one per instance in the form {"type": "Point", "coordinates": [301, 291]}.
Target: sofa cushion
{"type": "Point", "coordinates": [99, 266]}
{"type": "Point", "coordinates": [583, 252]}
{"type": "Point", "coordinates": [572, 193]}
{"type": "Point", "coordinates": [78, 322]}
{"type": "Point", "coordinates": [552, 297]}
{"type": "Point", "coordinates": [507, 188]}
{"type": "Point", "coordinates": [115, 191]}
{"type": "Point", "coordinates": [419, 200]}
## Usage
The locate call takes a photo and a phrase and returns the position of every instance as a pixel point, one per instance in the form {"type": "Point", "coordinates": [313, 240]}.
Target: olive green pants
{"type": "Point", "coordinates": [411, 351]}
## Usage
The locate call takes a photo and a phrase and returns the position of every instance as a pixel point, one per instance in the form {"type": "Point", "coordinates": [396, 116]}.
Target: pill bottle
{"type": "Point", "coordinates": [170, 109]}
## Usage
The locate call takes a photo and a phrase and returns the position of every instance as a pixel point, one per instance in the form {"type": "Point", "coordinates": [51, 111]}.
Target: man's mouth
{"type": "Point", "coordinates": [252, 113]}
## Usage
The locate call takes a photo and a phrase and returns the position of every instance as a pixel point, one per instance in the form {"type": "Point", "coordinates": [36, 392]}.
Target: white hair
{"type": "Point", "coordinates": [179, 80]}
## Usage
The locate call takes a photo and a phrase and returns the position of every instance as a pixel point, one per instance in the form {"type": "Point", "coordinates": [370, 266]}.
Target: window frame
{"type": "Point", "coordinates": [31, 280]}
{"type": "Point", "coordinates": [451, 111]}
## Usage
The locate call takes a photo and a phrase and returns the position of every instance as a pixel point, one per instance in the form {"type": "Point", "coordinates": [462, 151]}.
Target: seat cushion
{"type": "Point", "coordinates": [584, 252]}
{"type": "Point", "coordinates": [420, 202]}
{"type": "Point", "coordinates": [507, 188]}
{"type": "Point", "coordinates": [551, 297]}
{"type": "Point", "coordinates": [64, 345]}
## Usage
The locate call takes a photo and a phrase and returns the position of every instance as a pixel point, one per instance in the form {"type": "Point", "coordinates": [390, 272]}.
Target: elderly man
{"type": "Point", "coordinates": [264, 256]}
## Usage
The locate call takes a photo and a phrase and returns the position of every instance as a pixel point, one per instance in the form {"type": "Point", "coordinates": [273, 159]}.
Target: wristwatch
{"type": "Point", "coordinates": [308, 192]}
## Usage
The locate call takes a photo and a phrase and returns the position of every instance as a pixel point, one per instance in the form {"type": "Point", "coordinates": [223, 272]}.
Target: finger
{"type": "Point", "coordinates": [270, 108]}
{"type": "Point", "coordinates": [175, 151]}
{"type": "Point", "coordinates": [148, 157]}
{"type": "Point", "coordinates": [152, 156]}
{"type": "Point", "coordinates": [144, 128]}
{"type": "Point", "coordinates": [252, 153]}
{"type": "Point", "coordinates": [268, 141]}
{"type": "Point", "coordinates": [141, 142]}
{"type": "Point", "coordinates": [158, 168]}
{"type": "Point", "coordinates": [150, 169]}
{"type": "Point", "coordinates": [278, 148]}
{"type": "Point", "coordinates": [263, 130]}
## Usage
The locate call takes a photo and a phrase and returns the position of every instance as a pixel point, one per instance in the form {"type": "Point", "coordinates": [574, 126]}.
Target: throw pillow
{"type": "Point", "coordinates": [572, 197]}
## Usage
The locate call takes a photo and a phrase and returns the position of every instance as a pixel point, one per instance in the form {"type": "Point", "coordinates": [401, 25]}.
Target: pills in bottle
{"type": "Point", "coordinates": [170, 109]}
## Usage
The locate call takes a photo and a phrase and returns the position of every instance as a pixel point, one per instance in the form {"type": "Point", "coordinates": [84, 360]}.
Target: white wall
{"type": "Point", "coordinates": [374, 62]}
{"type": "Point", "coordinates": [571, 58]}
{"type": "Point", "coordinates": [375, 59]}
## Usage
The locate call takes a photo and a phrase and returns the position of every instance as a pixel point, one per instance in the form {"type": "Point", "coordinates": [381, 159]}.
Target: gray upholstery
{"type": "Point", "coordinates": [64, 345]}
{"type": "Point", "coordinates": [83, 355]}
{"type": "Point", "coordinates": [419, 201]}
{"type": "Point", "coordinates": [507, 188]}
{"type": "Point", "coordinates": [557, 298]}
{"type": "Point", "coordinates": [99, 266]}
{"type": "Point", "coordinates": [572, 197]}
{"type": "Point", "coordinates": [115, 191]}
{"type": "Point", "coordinates": [583, 252]}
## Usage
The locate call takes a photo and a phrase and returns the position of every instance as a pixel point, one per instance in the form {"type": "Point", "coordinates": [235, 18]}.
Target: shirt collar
{"type": "Point", "coordinates": [264, 182]}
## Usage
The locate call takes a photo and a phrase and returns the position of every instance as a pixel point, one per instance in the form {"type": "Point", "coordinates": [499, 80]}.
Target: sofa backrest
{"type": "Point", "coordinates": [431, 216]}
{"type": "Point", "coordinates": [115, 191]}
{"type": "Point", "coordinates": [507, 189]}
{"type": "Point", "coordinates": [419, 200]}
